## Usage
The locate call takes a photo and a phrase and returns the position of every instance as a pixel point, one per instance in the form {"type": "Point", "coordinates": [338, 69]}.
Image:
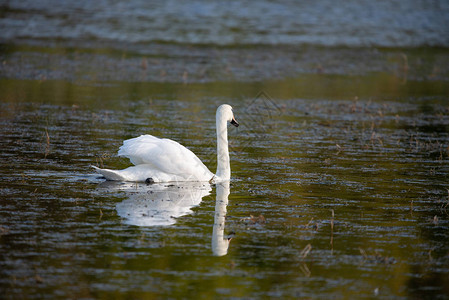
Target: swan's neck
{"type": "Point", "coordinates": [223, 165]}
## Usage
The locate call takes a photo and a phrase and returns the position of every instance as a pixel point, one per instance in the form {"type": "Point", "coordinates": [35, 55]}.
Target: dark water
{"type": "Point", "coordinates": [364, 182]}
{"type": "Point", "coordinates": [173, 41]}
{"type": "Point", "coordinates": [339, 168]}
{"type": "Point", "coordinates": [386, 23]}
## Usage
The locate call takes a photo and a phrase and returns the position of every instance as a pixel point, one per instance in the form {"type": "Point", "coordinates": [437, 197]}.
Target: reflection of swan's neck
{"type": "Point", "coordinates": [220, 243]}
{"type": "Point", "coordinates": [223, 165]}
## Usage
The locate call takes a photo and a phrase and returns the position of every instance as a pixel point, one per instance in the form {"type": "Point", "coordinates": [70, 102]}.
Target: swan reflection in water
{"type": "Point", "coordinates": [157, 204]}
{"type": "Point", "coordinates": [220, 242]}
{"type": "Point", "coordinates": [160, 204]}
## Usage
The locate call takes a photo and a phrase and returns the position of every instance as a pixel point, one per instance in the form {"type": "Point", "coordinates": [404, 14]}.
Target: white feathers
{"type": "Point", "coordinates": [164, 160]}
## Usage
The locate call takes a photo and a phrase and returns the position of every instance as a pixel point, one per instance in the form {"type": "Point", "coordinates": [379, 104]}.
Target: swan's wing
{"type": "Point", "coordinates": [164, 155]}
{"type": "Point", "coordinates": [137, 149]}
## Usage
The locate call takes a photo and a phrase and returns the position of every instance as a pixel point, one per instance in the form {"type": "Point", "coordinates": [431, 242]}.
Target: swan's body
{"type": "Point", "coordinates": [164, 160]}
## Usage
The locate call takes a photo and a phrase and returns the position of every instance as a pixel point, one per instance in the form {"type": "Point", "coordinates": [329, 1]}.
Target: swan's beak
{"type": "Point", "coordinates": [234, 122]}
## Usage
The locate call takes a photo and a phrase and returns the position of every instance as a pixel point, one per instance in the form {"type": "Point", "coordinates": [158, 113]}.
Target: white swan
{"type": "Point", "coordinates": [164, 160]}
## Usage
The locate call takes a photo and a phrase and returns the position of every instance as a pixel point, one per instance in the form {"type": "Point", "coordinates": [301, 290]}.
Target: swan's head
{"type": "Point", "coordinates": [224, 111]}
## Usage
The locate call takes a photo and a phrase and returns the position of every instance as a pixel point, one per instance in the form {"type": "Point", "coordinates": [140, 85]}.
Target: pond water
{"type": "Point", "coordinates": [340, 174]}
{"type": "Point", "coordinates": [361, 184]}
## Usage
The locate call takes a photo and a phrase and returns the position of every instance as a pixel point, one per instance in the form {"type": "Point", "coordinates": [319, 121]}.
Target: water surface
{"type": "Point", "coordinates": [339, 167]}
{"type": "Point", "coordinates": [362, 181]}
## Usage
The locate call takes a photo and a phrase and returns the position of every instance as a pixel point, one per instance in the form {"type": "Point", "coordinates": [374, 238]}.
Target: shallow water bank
{"type": "Point", "coordinates": [193, 63]}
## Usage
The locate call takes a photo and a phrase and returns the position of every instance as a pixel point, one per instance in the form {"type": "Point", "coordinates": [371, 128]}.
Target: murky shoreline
{"type": "Point", "coordinates": [202, 64]}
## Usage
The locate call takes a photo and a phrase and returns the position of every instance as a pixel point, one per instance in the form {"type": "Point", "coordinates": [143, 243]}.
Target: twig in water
{"type": "Point", "coordinates": [430, 254]}
{"type": "Point", "coordinates": [303, 267]}
{"type": "Point", "coordinates": [435, 220]}
{"type": "Point", "coordinates": [251, 220]}
{"type": "Point", "coordinates": [310, 222]}
{"type": "Point", "coordinates": [363, 252]}
{"type": "Point", "coordinates": [47, 146]}
{"type": "Point", "coordinates": [339, 148]}
{"type": "Point", "coordinates": [305, 251]}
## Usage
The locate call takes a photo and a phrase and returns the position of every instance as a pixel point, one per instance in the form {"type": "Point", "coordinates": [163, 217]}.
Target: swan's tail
{"type": "Point", "coordinates": [109, 174]}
